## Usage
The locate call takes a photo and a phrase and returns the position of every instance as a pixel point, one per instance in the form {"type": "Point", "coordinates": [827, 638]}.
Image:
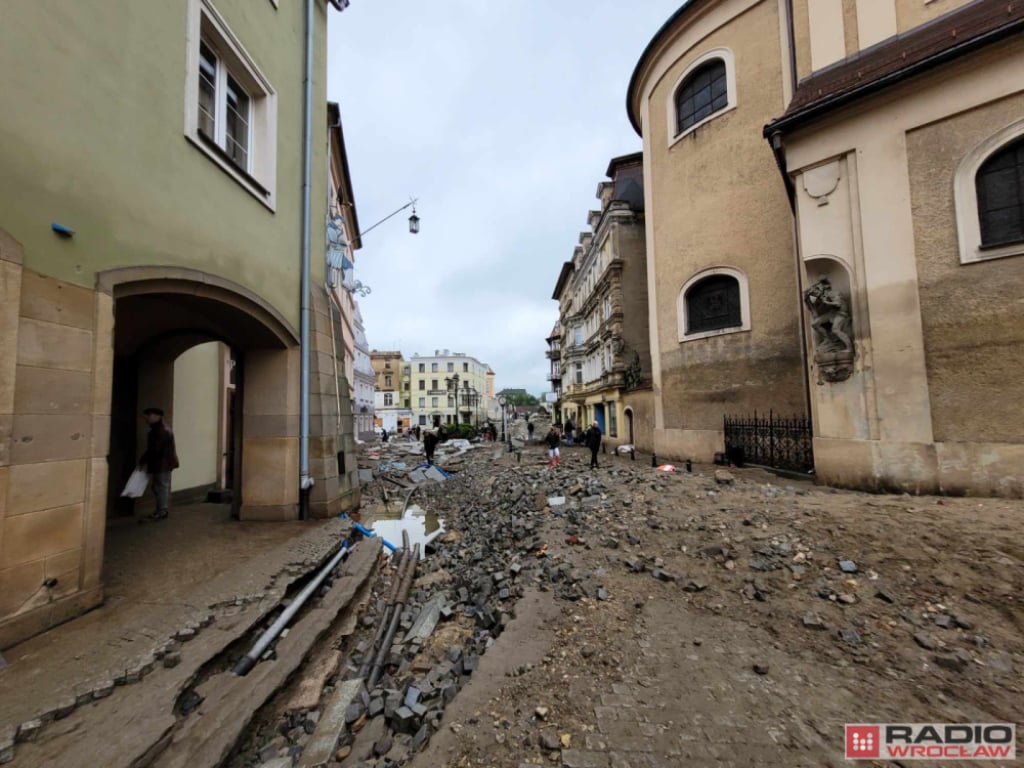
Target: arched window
{"type": "Point", "coordinates": [1000, 188]}
{"type": "Point", "coordinates": [712, 304]}
{"type": "Point", "coordinates": [704, 92]}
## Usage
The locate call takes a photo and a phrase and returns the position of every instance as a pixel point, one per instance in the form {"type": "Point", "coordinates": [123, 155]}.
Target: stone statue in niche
{"type": "Point", "coordinates": [830, 321]}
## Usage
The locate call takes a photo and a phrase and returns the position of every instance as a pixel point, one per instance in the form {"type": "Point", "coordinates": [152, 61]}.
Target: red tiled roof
{"type": "Point", "coordinates": [954, 34]}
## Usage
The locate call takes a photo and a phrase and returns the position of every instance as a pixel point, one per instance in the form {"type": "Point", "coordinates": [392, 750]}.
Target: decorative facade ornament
{"type": "Point", "coordinates": [634, 375]}
{"type": "Point", "coordinates": [830, 322]}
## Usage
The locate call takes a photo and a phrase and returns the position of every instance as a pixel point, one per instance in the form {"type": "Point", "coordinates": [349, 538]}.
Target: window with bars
{"type": "Point", "coordinates": [703, 93]}
{"type": "Point", "coordinates": [225, 108]}
{"type": "Point", "coordinates": [1000, 187]}
{"type": "Point", "coordinates": [713, 304]}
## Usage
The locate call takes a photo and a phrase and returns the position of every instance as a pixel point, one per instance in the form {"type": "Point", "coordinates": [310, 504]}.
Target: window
{"type": "Point", "coordinates": [423, 421]}
{"type": "Point", "coordinates": [704, 93]}
{"type": "Point", "coordinates": [1000, 189]}
{"type": "Point", "coordinates": [706, 89]}
{"type": "Point", "coordinates": [578, 336]}
{"type": "Point", "coordinates": [423, 402]}
{"type": "Point", "coordinates": [387, 364]}
{"type": "Point", "coordinates": [423, 367]}
{"type": "Point", "coordinates": [451, 402]}
{"type": "Point", "coordinates": [465, 367]}
{"type": "Point", "coordinates": [433, 402]}
{"type": "Point", "coordinates": [423, 384]}
{"type": "Point", "coordinates": [230, 108]}
{"type": "Point", "coordinates": [433, 369]}
{"type": "Point", "coordinates": [713, 302]}
{"type": "Point", "coordinates": [387, 381]}
{"type": "Point", "coordinates": [406, 371]}
{"type": "Point", "coordinates": [989, 196]}
{"type": "Point", "coordinates": [389, 399]}
{"type": "Point", "coordinates": [613, 419]}
{"type": "Point", "coordinates": [433, 383]}
{"type": "Point", "coordinates": [407, 402]}
{"type": "Point", "coordinates": [579, 373]}
{"type": "Point", "coordinates": [405, 386]}
{"type": "Point", "coordinates": [451, 367]}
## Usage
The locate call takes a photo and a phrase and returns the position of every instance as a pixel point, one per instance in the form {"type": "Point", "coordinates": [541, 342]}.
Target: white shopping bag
{"type": "Point", "coordinates": [137, 484]}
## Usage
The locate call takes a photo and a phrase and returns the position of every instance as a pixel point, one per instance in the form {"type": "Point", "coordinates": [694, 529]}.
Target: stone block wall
{"type": "Point", "coordinates": [54, 426]}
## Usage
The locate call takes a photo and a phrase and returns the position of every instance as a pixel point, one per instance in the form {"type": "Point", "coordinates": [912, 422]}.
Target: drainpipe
{"type": "Point", "coordinates": [305, 481]}
{"type": "Point", "coordinates": [779, 151]}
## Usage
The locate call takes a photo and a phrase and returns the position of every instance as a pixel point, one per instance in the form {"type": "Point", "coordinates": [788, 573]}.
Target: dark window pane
{"type": "Point", "coordinates": [1000, 188]}
{"type": "Point", "coordinates": [704, 93]}
{"type": "Point", "coordinates": [713, 304]}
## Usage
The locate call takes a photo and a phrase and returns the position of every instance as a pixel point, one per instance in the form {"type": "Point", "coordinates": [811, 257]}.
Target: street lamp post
{"type": "Point", "coordinates": [501, 404]}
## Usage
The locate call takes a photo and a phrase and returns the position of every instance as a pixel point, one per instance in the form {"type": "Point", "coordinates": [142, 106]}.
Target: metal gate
{"type": "Point", "coordinates": [774, 442]}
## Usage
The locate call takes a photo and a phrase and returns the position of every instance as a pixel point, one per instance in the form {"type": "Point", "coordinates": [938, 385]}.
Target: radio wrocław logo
{"type": "Point", "coordinates": [931, 741]}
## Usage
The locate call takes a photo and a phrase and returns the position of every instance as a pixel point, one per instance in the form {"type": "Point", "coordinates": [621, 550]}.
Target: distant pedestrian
{"type": "Point", "coordinates": [529, 431]}
{"type": "Point", "coordinates": [593, 440]}
{"type": "Point", "coordinates": [553, 439]}
{"type": "Point", "coordinates": [159, 460]}
{"type": "Point", "coordinates": [384, 435]}
{"type": "Point", "coordinates": [429, 444]}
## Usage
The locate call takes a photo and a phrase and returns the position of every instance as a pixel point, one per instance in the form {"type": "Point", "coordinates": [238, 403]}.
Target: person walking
{"type": "Point", "coordinates": [593, 441]}
{"type": "Point", "coordinates": [429, 444]}
{"type": "Point", "coordinates": [553, 439]}
{"type": "Point", "coordinates": [159, 460]}
{"type": "Point", "coordinates": [529, 431]}
{"type": "Point", "coordinates": [384, 435]}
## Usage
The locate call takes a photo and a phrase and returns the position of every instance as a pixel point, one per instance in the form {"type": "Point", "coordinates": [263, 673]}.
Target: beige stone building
{"type": "Point", "coordinates": [604, 362]}
{"type": "Point", "coordinates": [847, 175]}
{"type": "Point", "coordinates": [448, 388]}
{"type": "Point", "coordinates": [149, 256]}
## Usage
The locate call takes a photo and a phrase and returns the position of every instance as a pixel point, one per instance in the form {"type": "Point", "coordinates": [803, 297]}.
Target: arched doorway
{"type": "Point", "coordinates": [165, 316]}
{"type": "Point", "coordinates": [629, 425]}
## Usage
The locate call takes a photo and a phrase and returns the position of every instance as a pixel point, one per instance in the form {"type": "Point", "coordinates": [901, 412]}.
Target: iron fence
{"type": "Point", "coordinates": [781, 443]}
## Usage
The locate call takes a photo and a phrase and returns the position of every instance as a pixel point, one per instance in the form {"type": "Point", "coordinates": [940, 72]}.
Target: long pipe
{"type": "Point", "coordinates": [305, 481]}
{"type": "Point", "coordinates": [389, 611]}
{"type": "Point", "coordinates": [389, 638]}
{"type": "Point", "coordinates": [247, 662]}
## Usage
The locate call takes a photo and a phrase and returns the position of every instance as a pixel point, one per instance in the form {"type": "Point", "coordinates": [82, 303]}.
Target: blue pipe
{"type": "Point", "coordinates": [370, 534]}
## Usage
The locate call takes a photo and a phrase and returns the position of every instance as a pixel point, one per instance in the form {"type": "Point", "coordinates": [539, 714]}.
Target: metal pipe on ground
{"type": "Point", "coordinates": [389, 638]}
{"type": "Point", "coordinates": [396, 585]}
{"type": "Point", "coordinates": [247, 662]}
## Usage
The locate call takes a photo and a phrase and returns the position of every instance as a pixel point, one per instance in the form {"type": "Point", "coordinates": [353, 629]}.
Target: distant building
{"type": "Point", "coordinates": [449, 388]}
{"type": "Point", "coordinates": [365, 379]}
{"type": "Point", "coordinates": [554, 353]}
{"type": "Point", "coordinates": [605, 363]}
{"type": "Point", "coordinates": [390, 411]}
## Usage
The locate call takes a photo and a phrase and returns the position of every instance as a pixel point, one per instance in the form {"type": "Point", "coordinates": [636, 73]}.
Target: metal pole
{"type": "Point", "coordinates": [305, 481]}
{"type": "Point", "coordinates": [248, 661]}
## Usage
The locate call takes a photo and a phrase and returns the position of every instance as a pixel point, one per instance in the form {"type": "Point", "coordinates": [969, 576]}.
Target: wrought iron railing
{"type": "Point", "coordinates": [781, 443]}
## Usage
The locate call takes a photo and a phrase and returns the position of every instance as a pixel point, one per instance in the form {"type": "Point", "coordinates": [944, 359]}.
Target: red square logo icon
{"type": "Point", "coordinates": [863, 742]}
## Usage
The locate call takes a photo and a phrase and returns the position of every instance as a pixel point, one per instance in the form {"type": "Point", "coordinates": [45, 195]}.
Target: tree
{"type": "Point", "coordinates": [525, 399]}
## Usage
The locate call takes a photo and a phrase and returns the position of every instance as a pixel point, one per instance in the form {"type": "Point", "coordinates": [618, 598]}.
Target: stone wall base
{"type": "Point", "coordinates": [954, 469]}
{"type": "Point", "coordinates": [32, 622]}
{"type": "Point", "coordinates": [681, 444]}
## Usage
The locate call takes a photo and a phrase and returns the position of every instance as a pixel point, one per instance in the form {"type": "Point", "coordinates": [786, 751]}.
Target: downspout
{"type": "Point", "coordinates": [778, 149]}
{"type": "Point", "coordinates": [305, 481]}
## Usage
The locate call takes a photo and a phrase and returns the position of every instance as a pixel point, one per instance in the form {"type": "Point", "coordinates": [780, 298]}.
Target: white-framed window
{"type": "Point", "coordinates": [389, 399]}
{"type": "Point", "coordinates": [434, 402]}
{"type": "Point", "coordinates": [705, 90]}
{"type": "Point", "coordinates": [423, 402]}
{"type": "Point", "coordinates": [713, 302]}
{"type": "Point", "coordinates": [578, 336]}
{"type": "Point", "coordinates": [989, 197]}
{"type": "Point", "coordinates": [387, 381]}
{"type": "Point", "coordinates": [230, 107]}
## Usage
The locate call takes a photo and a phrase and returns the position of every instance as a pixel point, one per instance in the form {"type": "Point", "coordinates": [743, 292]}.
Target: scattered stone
{"type": "Point", "coordinates": [925, 640]}
{"type": "Point", "coordinates": [171, 659]}
{"type": "Point", "coordinates": [814, 621]}
{"type": "Point", "coordinates": [849, 636]}
{"type": "Point", "coordinates": [28, 730]}
{"type": "Point", "coordinates": [541, 712]}
{"type": "Point", "coordinates": [885, 597]}
{"type": "Point", "coordinates": [549, 740]}
{"type": "Point", "coordinates": [724, 478]}
{"type": "Point", "coordinates": [945, 621]}
{"type": "Point", "coordinates": [847, 566]}
{"type": "Point", "coordinates": [957, 662]}
{"type": "Point", "coordinates": [761, 669]}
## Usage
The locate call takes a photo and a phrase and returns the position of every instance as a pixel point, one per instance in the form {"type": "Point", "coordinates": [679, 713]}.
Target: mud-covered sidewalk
{"type": "Point", "coordinates": [683, 620]}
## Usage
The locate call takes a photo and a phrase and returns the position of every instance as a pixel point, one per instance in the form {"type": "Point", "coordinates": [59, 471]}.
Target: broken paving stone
{"type": "Point", "coordinates": [885, 596]}
{"type": "Point", "coordinates": [814, 621]}
{"type": "Point", "coordinates": [925, 640]}
{"type": "Point", "coordinates": [945, 621]}
{"type": "Point", "coordinates": [353, 712]}
{"type": "Point", "coordinates": [403, 720]}
{"type": "Point", "coordinates": [957, 662]}
{"type": "Point", "coordinates": [850, 637]}
{"type": "Point", "coordinates": [28, 730]}
{"type": "Point", "coordinates": [549, 740]}
{"type": "Point", "coordinates": [847, 566]}
{"type": "Point", "coordinates": [662, 575]}
{"type": "Point", "coordinates": [724, 478]}
{"type": "Point", "coordinates": [172, 659]}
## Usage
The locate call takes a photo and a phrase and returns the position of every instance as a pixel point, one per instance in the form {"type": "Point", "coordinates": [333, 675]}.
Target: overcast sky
{"type": "Point", "coordinates": [501, 118]}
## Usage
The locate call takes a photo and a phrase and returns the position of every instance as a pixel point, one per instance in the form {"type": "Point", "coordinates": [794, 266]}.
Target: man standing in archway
{"type": "Point", "coordinates": [160, 459]}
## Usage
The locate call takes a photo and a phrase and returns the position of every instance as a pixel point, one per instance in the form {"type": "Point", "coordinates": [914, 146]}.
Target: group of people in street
{"type": "Point", "coordinates": [592, 439]}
